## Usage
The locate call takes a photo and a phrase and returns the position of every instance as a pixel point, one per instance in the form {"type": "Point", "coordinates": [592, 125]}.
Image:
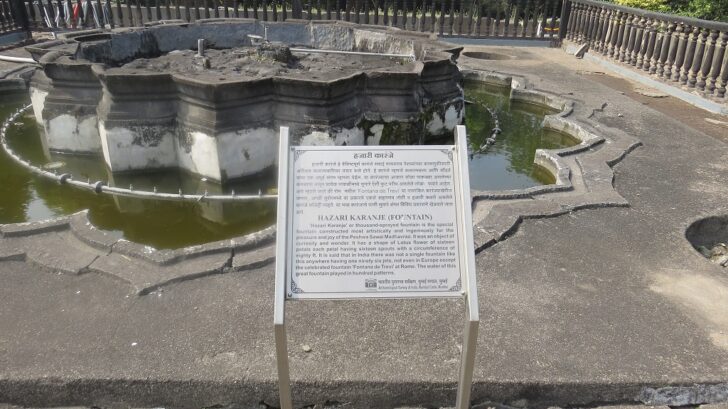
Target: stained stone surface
{"type": "Point", "coordinates": [143, 99]}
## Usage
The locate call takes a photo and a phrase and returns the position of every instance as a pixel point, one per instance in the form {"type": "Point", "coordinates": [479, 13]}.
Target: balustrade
{"type": "Point", "coordinates": [685, 50]}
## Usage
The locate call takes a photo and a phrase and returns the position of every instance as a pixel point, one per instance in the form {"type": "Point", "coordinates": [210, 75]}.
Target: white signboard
{"type": "Point", "coordinates": [378, 222]}
{"type": "Point", "coordinates": [373, 222]}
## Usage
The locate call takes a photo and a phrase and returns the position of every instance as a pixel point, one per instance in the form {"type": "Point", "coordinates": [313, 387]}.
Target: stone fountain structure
{"type": "Point", "coordinates": [146, 100]}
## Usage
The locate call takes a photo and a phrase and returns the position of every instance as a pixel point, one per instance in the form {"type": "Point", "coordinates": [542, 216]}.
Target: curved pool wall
{"type": "Point", "coordinates": [548, 159]}
{"type": "Point", "coordinates": [227, 129]}
{"type": "Point", "coordinates": [552, 160]}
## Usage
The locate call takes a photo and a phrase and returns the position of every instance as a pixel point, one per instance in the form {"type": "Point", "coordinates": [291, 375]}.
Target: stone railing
{"type": "Point", "coordinates": [13, 16]}
{"type": "Point", "coordinates": [682, 50]}
{"type": "Point", "coordinates": [522, 19]}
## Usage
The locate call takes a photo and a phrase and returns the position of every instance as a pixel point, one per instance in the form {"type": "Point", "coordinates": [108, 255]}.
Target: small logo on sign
{"type": "Point", "coordinates": [370, 283]}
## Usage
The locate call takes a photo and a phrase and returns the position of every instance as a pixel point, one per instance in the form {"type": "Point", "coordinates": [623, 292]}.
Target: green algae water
{"type": "Point", "coordinates": [508, 164]}
{"type": "Point", "coordinates": [160, 224]}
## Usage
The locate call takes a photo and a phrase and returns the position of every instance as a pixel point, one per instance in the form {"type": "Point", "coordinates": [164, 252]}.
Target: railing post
{"type": "Point", "coordinates": [660, 28]}
{"type": "Point", "coordinates": [626, 30]}
{"type": "Point", "coordinates": [566, 25]}
{"type": "Point", "coordinates": [697, 58]}
{"type": "Point", "coordinates": [647, 60]}
{"type": "Point", "coordinates": [592, 24]}
{"type": "Point", "coordinates": [617, 33]}
{"type": "Point", "coordinates": [647, 41]}
{"type": "Point", "coordinates": [720, 90]}
{"type": "Point", "coordinates": [637, 46]}
{"type": "Point", "coordinates": [582, 12]}
{"type": "Point", "coordinates": [717, 59]}
{"type": "Point", "coordinates": [689, 55]}
{"type": "Point", "coordinates": [631, 30]}
{"type": "Point", "coordinates": [707, 62]}
{"type": "Point", "coordinates": [681, 34]}
{"type": "Point", "coordinates": [665, 51]}
{"type": "Point", "coordinates": [604, 32]}
{"type": "Point", "coordinates": [296, 9]}
{"type": "Point", "coordinates": [20, 16]}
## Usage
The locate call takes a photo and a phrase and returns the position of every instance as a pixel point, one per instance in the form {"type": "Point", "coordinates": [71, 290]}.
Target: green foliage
{"type": "Point", "coordinates": [702, 9]}
{"type": "Point", "coordinates": [654, 5]}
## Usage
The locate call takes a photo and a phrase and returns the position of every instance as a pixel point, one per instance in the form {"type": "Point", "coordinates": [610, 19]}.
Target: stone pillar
{"type": "Point", "coordinates": [627, 38]}
{"type": "Point", "coordinates": [689, 55]}
{"type": "Point", "coordinates": [593, 25]}
{"type": "Point", "coordinates": [665, 51]}
{"type": "Point", "coordinates": [69, 107]}
{"type": "Point", "coordinates": [610, 33]}
{"type": "Point", "coordinates": [680, 53]}
{"type": "Point", "coordinates": [579, 29]}
{"type": "Point", "coordinates": [723, 80]}
{"type": "Point", "coordinates": [650, 42]}
{"type": "Point", "coordinates": [599, 40]}
{"type": "Point", "coordinates": [717, 60]}
{"type": "Point", "coordinates": [573, 17]}
{"type": "Point", "coordinates": [707, 60]}
{"type": "Point", "coordinates": [637, 46]}
{"type": "Point", "coordinates": [697, 58]}
{"type": "Point", "coordinates": [618, 35]}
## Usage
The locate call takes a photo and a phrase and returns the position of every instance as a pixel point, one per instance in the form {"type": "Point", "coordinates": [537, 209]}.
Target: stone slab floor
{"type": "Point", "coordinates": [596, 306]}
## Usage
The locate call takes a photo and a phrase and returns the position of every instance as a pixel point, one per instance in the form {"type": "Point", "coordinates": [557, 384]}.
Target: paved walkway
{"type": "Point", "coordinates": [600, 305]}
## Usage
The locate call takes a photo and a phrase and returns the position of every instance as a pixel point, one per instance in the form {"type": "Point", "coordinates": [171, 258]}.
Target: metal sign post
{"type": "Point", "coordinates": [375, 222]}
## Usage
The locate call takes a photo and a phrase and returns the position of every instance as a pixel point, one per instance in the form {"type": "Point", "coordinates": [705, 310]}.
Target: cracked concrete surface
{"type": "Point", "coordinates": [578, 308]}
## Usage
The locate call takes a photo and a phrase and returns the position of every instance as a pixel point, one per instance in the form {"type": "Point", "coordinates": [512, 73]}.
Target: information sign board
{"type": "Point", "coordinates": [375, 221]}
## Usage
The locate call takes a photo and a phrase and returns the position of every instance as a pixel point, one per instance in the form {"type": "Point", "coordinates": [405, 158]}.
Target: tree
{"type": "Point", "coordinates": [702, 9]}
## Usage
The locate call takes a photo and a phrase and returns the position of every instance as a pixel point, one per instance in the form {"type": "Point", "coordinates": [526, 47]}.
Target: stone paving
{"type": "Point", "coordinates": [588, 296]}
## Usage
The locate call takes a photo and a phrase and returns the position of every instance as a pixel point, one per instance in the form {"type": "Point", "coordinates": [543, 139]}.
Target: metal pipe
{"type": "Point", "coordinates": [314, 51]}
{"type": "Point", "coordinates": [201, 47]}
{"type": "Point", "coordinates": [100, 187]}
{"type": "Point", "coordinates": [17, 59]}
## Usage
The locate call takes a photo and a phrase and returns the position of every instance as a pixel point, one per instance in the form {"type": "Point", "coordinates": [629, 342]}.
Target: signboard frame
{"type": "Point", "coordinates": [466, 255]}
{"type": "Point", "coordinates": [400, 154]}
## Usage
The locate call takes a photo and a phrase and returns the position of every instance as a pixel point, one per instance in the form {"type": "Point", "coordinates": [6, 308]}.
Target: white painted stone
{"type": "Point", "coordinates": [317, 138]}
{"type": "Point", "coordinates": [121, 154]}
{"type": "Point", "coordinates": [380, 42]}
{"type": "Point", "coordinates": [37, 98]}
{"type": "Point", "coordinates": [70, 134]}
{"type": "Point", "coordinates": [452, 118]}
{"type": "Point", "coordinates": [248, 151]}
{"type": "Point", "coordinates": [344, 137]}
{"type": "Point", "coordinates": [201, 157]}
{"type": "Point", "coordinates": [436, 124]}
{"type": "Point", "coordinates": [349, 137]}
{"type": "Point", "coordinates": [376, 136]}
{"type": "Point", "coordinates": [331, 37]}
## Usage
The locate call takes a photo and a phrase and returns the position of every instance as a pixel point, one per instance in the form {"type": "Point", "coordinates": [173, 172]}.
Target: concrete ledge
{"type": "Point", "coordinates": [550, 159]}
{"type": "Point", "coordinates": [503, 42]}
{"type": "Point", "coordinates": [591, 158]}
{"type": "Point", "coordinates": [190, 393]}
{"type": "Point", "coordinates": [73, 245]}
